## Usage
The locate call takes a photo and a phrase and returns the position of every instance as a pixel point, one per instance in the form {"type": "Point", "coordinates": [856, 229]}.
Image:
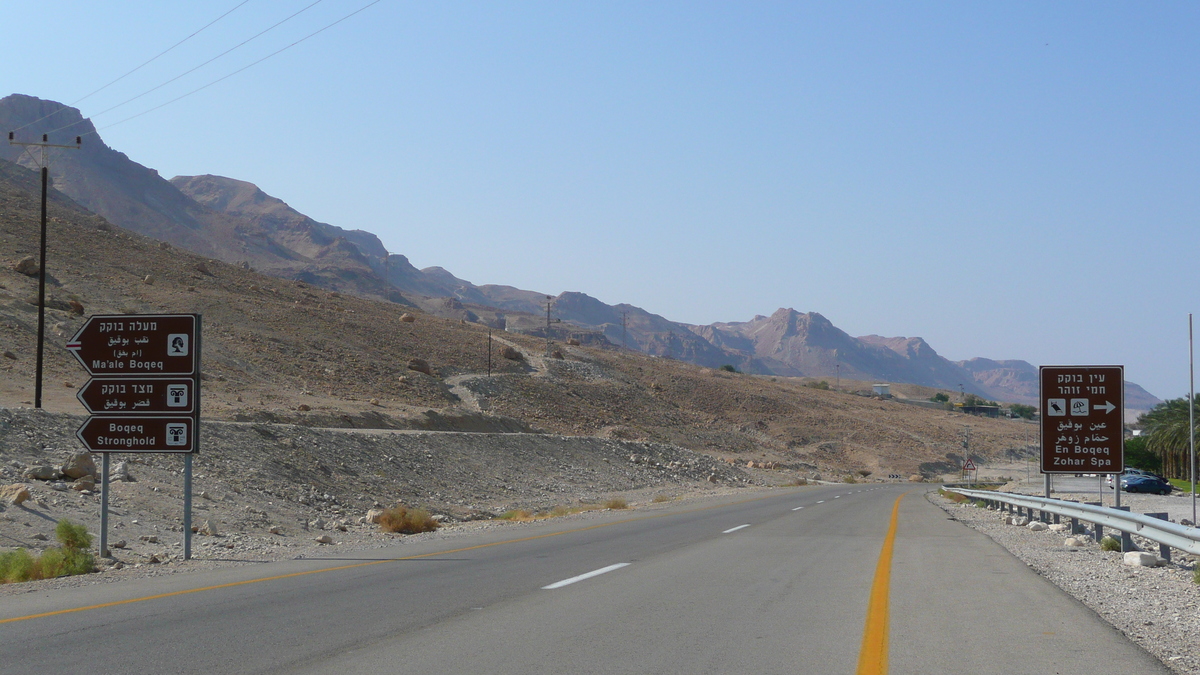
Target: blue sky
{"type": "Point", "coordinates": [1009, 180]}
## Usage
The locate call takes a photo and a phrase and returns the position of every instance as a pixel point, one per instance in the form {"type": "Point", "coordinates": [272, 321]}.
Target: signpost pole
{"type": "Point", "coordinates": [37, 387]}
{"type": "Point", "coordinates": [1047, 477]}
{"type": "Point", "coordinates": [187, 459]}
{"type": "Point", "coordinates": [1192, 414]}
{"type": "Point", "coordinates": [104, 464]}
{"type": "Point", "coordinates": [187, 506]}
{"type": "Point", "coordinates": [1117, 490]}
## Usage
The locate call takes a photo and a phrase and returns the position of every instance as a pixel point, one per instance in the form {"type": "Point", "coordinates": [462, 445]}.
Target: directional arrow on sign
{"type": "Point", "coordinates": [1107, 407]}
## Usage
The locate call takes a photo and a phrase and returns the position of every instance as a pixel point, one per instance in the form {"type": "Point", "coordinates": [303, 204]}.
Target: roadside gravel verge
{"type": "Point", "coordinates": [1156, 607]}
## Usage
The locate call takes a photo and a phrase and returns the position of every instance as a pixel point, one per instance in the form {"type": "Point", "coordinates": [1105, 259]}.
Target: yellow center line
{"type": "Point", "coordinates": [872, 658]}
{"type": "Point", "coordinates": [368, 564]}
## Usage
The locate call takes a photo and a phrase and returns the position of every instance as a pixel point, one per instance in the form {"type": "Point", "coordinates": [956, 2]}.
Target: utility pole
{"type": "Point", "coordinates": [45, 165]}
{"type": "Point", "coordinates": [962, 393]}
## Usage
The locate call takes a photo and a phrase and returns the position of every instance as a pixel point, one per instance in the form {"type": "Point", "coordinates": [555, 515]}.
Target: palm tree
{"type": "Point", "coordinates": [1167, 435]}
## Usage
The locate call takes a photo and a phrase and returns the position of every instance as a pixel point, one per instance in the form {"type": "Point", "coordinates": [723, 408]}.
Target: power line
{"type": "Point", "coordinates": [250, 65]}
{"type": "Point", "coordinates": [146, 63]}
{"type": "Point", "coordinates": [195, 68]}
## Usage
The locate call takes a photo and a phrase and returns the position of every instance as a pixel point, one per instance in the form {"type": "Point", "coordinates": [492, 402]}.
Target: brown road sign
{"type": "Point", "coordinates": [108, 395]}
{"type": "Point", "coordinates": [137, 344]}
{"type": "Point", "coordinates": [1083, 414]}
{"type": "Point", "coordinates": [127, 433]}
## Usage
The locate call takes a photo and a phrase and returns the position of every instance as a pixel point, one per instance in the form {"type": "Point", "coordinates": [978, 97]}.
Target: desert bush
{"type": "Point", "coordinates": [798, 481]}
{"type": "Point", "coordinates": [729, 368]}
{"type": "Point", "coordinates": [516, 514]}
{"type": "Point", "coordinates": [1110, 543]}
{"type": "Point", "coordinates": [849, 479]}
{"type": "Point", "coordinates": [616, 503]}
{"type": "Point", "coordinates": [16, 566]}
{"type": "Point", "coordinates": [71, 535]}
{"type": "Point", "coordinates": [404, 520]}
{"type": "Point", "coordinates": [658, 499]}
{"type": "Point", "coordinates": [72, 557]}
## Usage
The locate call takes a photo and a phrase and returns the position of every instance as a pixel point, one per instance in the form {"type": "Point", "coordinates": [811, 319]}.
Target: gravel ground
{"type": "Point", "coordinates": [1156, 607]}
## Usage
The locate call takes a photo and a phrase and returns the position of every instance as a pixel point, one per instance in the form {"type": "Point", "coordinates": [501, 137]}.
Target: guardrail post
{"type": "Point", "coordinates": [1126, 540]}
{"type": "Point", "coordinates": [1075, 526]}
{"type": "Point", "coordinates": [1097, 528]}
{"type": "Point", "coordinates": [1164, 551]}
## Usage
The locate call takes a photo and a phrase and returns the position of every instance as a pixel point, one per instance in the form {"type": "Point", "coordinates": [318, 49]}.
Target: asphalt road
{"type": "Point", "coordinates": [776, 582]}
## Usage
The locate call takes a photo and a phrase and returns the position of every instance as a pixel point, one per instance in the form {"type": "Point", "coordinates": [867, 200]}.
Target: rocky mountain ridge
{"type": "Point", "coordinates": [236, 222]}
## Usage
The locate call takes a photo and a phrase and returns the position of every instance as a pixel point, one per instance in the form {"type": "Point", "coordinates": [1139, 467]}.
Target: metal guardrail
{"type": "Point", "coordinates": [1164, 532]}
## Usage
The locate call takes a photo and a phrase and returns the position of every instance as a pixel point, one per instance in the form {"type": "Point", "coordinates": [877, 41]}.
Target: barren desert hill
{"type": "Point", "coordinates": [235, 221]}
{"type": "Point", "coordinates": [285, 351]}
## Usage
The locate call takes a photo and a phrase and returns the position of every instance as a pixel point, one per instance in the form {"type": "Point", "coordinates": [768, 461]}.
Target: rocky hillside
{"type": "Point", "coordinates": [135, 197]}
{"type": "Point", "coordinates": [283, 351]}
{"type": "Point", "coordinates": [235, 222]}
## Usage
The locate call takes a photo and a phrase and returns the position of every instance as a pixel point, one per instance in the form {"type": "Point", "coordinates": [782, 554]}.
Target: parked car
{"type": "Point", "coordinates": [1146, 484]}
{"type": "Point", "coordinates": [1128, 472]}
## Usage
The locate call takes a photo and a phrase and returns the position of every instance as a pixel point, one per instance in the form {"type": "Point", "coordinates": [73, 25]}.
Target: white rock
{"type": "Point", "coordinates": [1019, 521]}
{"type": "Point", "coordinates": [1060, 527]}
{"type": "Point", "coordinates": [1140, 559]}
{"type": "Point", "coordinates": [1073, 542]}
{"type": "Point", "coordinates": [1037, 526]}
{"type": "Point", "coordinates": [373, 515]}
{"type": "Point", "coordinates": [324, 539]}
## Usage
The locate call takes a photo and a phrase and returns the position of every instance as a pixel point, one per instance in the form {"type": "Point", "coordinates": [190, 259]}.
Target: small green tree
{"type": "Point", "coordinates": [729, 368]}
{"type": "Point", "coordinates": [940, 397]}
{"type": "Point", "coordinates": [1023, 411]}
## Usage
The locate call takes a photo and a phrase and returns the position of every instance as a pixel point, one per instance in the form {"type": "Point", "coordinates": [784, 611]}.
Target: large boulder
{"type": "Point", "coordinates": [1140, 559]}
{"type": "Point", "coordinates": [1037, 526]}
{"type": "Point", "coordinates": [82, 483]}
{"type": "Point", "coordinates": [43, 472]}
{"type": "Point", "coordinates": [511, 354]}
{"type": "Point", "coordinates": [27, 266]}
{"type": "Point", "coordinates": [120, 472]}
{"type": "Point", "coordinates": [14, 494]}
{"type": "Point", "coordinates": [420, 365]}
{"type": "Point", "coordinates": [78, 465]}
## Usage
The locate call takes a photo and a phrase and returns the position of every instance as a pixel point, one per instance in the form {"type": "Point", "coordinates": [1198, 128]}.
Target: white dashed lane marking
{"type": "Point", "coordinates": [797, 508]}
{"type": "Point", "coordinates": [735, 529]}
{"type": "Point", "coordinates": [581, 577]}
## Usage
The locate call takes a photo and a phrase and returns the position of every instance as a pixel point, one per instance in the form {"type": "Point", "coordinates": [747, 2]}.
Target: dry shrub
{"type": "Point", "coordinates": [658, 499]}
{"type": "Point", "coordinates": [516, 514]}
{"type": "Point", "coordinates": [404, 520]}
{"type": "Point", "coordinates": [616, 503]}
{"type": "Point", "coordinates": [952, 496]}
{"type": "Point", "coordinates": [796, 482]}
{"type": "Point", "coordinates": [73, 557]}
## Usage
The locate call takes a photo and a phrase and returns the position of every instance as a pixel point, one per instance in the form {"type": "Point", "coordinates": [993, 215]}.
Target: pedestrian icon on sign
{"type": "Point", "coordinates": [177, 344]}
